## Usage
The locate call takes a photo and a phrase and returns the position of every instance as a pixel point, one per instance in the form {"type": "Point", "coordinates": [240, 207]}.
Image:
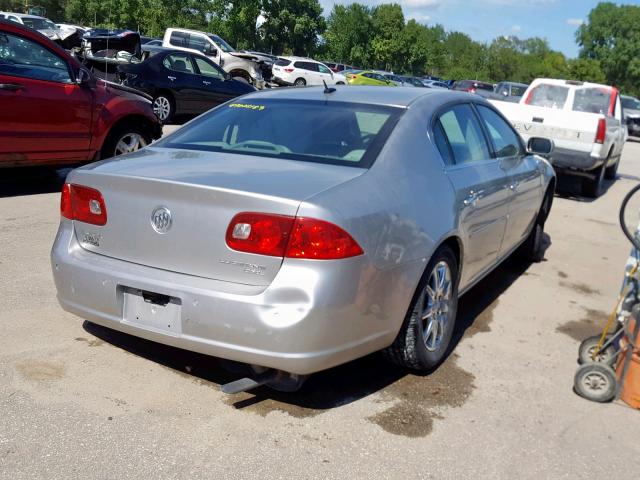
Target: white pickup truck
{"type": "Point", "coordinates": [583, 119]}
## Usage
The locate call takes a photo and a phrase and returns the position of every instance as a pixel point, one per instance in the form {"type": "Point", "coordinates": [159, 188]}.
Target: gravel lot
{"type": "Point", "coordinates": [80, 401]}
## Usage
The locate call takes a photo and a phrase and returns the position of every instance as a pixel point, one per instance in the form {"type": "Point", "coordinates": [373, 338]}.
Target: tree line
{"type": "Point", "coordinates": [378, 37]}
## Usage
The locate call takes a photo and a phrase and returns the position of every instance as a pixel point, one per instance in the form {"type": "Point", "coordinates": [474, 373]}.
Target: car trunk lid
{"type": "Point", "coordinates": [202, 191]}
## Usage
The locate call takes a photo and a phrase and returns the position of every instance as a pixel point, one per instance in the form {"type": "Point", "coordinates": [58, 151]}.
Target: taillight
{"type": "Point", "coordinates": [320, 240]}
{"type": "Point", "coordinates": [472, 90]}
{"type": "Point", "coordinates": [602, 130]}
{"type": "Point", "coordinates": [83, 204]}
{"type": "Point", "coordinates": [288, 70]}
{"type": "Point", "coordinates": [291, 237]}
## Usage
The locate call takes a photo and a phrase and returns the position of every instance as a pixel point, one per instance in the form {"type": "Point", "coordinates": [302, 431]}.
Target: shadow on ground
{"type": "Point", "coordinates": [347, 383]}
{"type": "Point", "coordinates": [31, 181]}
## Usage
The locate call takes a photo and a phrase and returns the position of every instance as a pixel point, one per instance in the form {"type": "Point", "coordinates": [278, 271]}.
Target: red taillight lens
{"type": "Point", "coordinates": [291, 237]}
{"type": "Point", "coordinates": [259, 233]}
{"type": "Point", "coordinates": [472, 90]}
{"type": "Point", "coordinates": [83, 204]}
{"type": "Point", "coordinates": [288, 70]}
{"type": "Point", "coordinates": [602, 130]}
{"type": "Point", "coordinates": [66, 209]}
{"type": "Point", "coordinates": [320, 240]}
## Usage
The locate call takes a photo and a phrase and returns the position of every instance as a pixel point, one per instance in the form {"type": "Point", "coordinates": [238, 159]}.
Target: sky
{"type": "Point", "coordinates": [484, 20]}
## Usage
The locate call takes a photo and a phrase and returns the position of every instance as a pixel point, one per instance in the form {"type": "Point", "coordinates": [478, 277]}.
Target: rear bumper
{"type": "Point", "coordinates": [567, 159]}
{"type": "Point", "coordinates": [281, 82]}
{"type": "Point", "coordinates": [313, 316]}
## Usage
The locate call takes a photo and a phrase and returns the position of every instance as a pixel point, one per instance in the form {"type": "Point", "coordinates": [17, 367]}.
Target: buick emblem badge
{"type": "Point", "coordinates": [161, 220]}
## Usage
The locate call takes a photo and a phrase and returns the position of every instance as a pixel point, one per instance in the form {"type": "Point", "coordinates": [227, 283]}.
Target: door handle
{"type": "Point", "coordinates": [11, 87]}
{"type": "Point", "coordinates": [471, 200]}
{"type": "Point", "coordinates": [206, 83]}
{"type": "Point", "coordinates": [171, 78]}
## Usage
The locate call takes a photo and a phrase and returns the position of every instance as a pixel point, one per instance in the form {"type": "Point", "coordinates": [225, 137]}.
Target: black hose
{"type": "Point", "coordinates": [632, 238]}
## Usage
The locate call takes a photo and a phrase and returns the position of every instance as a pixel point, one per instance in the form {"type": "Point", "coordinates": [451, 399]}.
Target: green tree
{"type": "Point", "coordinates": [388, 49]}
{"type": "Point", "coordinates": [348, 32]}
{"type": "Point", "coordinates": [424, 48]}
{"type": "Point", "coordinates": [586, 70]}
{"type": "Point", "coordinates": [612, 37]}
{"type": "Point", "coordinates": [292, 26]}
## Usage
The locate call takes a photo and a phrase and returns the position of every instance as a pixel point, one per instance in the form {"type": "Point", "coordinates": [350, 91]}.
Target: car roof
{"type": "Point", "coordinates": [294, 58]}
{"type": "Point", "coordinates": [368, 95]}
{"type": "Point", "coordinates": [24, 15]}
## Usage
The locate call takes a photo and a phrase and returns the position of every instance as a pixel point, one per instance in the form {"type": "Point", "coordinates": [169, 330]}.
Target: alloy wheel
{"type": "Point", "coordinates": [130, 142]}
{"type": "Point", "coordinates": [437, 306]}
{"type": "Point", "coordinates": [162, 108]}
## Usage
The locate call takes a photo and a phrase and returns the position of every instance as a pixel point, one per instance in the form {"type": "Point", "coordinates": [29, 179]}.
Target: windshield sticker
{"type": "Point", "coordinates": [247, 106]}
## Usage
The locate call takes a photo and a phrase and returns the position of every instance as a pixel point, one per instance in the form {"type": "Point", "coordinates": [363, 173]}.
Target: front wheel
{"type": "Point", "coordinates": [425, 335]}
{"type": "Point", "coordinates": [588, 348]}
{"type": "Point", "coordinates": [124, 139]}
{"type": "Point", "coordinates": [596, 382]}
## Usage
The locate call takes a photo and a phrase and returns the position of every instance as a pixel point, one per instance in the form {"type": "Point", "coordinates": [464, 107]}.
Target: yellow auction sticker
{"type": "Point", "coordinates": [248, 106]}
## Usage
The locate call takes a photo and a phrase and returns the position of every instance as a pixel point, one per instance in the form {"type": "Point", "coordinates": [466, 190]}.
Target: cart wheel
{"type": "Point", "coordinates": [595, 382]}
{"type": "Point", "coordinates": [588, 346]}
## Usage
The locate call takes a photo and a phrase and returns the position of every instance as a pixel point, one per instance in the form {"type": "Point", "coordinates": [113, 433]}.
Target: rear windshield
{"type": "Point", "coordinates": [38, 23]}
{"type": "Point", "coordinates": [484, 86]}
{"type": "Point", "coordinates": [592, 100]}
{"type": "Point", "coordinates": [336, 133]}
{"type": "Point", "coordinates": [550, 96]}
{"type": "Point", "coordinates": [282, 62]}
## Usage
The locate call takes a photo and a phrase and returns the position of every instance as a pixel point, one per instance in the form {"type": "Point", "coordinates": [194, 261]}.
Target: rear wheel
{"type": "Point", "coordinates": [611, 172]}
{"type": "Point", "coordinates": [300, 82]}
{"type": "Point", "coordinates": [426, 333]}
{"type": "Point", "coordinates": [588, 348]}
{"type": "Point", "coordinates": [592, 187]}
{"type": "Point", "coordinates": [123, 139]}
{"type": "Point", "coordinates": [164, 107]}
{"type": "Point", "coordinates": [532, 250]}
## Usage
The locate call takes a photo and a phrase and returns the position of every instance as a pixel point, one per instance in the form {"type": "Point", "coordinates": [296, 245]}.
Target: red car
{"type": "Point", "coordinates": [54, 112]}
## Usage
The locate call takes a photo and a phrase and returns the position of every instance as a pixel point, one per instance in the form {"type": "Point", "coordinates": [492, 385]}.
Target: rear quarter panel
{"type": "Point", "coordinates": [399, 212]}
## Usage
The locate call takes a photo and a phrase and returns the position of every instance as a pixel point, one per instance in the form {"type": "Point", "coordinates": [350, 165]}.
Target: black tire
{"type": "Point", "coordinates": [532, 250]}
{"type": "Point", "coordinates": [596, 382]}
{"type": "Point", "coordinates": [409, 349]}
{"type": "Point", "coordinates": [162, 102]}
{"type": "Point", "coordinates": [339, 83]}
{"type": "Point", "coordinates": [119, 133]}
{"type": "Point", "coordinates": [300, 82]}
{"type": "Point", "coordinates": [592, 187]}
{"type": "Point", "coordinates": [587, 347]}
{"type": "Point", "coordinates": [611, 172]}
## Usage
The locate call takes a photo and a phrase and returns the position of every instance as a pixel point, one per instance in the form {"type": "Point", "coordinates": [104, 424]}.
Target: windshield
{"type": "Point", "coordinates": [630, 103]}
{"type": "Point", "coordinates": [335, 133]}
{"type": "Point", "coordinates": [38, 23]}
{"type": "Point", "coordinates": [224, 46]}
{"type": "Point", "coordinates": [546, 95]}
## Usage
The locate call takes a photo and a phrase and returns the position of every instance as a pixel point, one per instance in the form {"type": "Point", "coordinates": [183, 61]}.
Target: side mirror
{"type": "Point", "coordinates": [211, 50]}
{"type": "Point", "coordinates": [540, 146]}
{"type": "Point", "coordinates": [83, 77]}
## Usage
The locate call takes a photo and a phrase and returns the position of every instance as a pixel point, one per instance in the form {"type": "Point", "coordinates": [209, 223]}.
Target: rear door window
{"type": "Point", "coordinates": [547, 95]}
{"type": "Point", "coordinates": [464, 134]}
{"type": "Point", "coordinates": [593, 100]}
{"type": "Point", "coordinates": [178, 62]}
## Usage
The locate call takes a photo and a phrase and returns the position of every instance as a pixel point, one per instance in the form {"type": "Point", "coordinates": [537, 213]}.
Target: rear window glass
{"type": "Point", "coordinates": [484, 86]}
{"type": "Point", "coordinates": [630, 103]}
{"type": "Point", "coordinates": [283, 62]}
{"type": "Point", "coordinates": [336, 133]}
{"type": "Point", "coordinates": [550, 96]}
{"type": "Point", "coordinates": [592, 100]}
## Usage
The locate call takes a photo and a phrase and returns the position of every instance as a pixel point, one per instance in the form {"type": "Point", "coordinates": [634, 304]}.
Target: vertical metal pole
{"type": "Point", "coordinates": [635, 313]}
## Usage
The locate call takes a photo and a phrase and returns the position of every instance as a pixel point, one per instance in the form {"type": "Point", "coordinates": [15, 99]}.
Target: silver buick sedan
{"type": "Point", "coordinates": [295, 230]}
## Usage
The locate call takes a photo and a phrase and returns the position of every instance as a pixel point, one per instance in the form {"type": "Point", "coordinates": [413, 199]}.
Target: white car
{"type": "Point", "coordinates": [583, 119]}
{"type": "Point", "coordinates": [41, 24]}
{"type": "Point", "coordinates": [300, 71]}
